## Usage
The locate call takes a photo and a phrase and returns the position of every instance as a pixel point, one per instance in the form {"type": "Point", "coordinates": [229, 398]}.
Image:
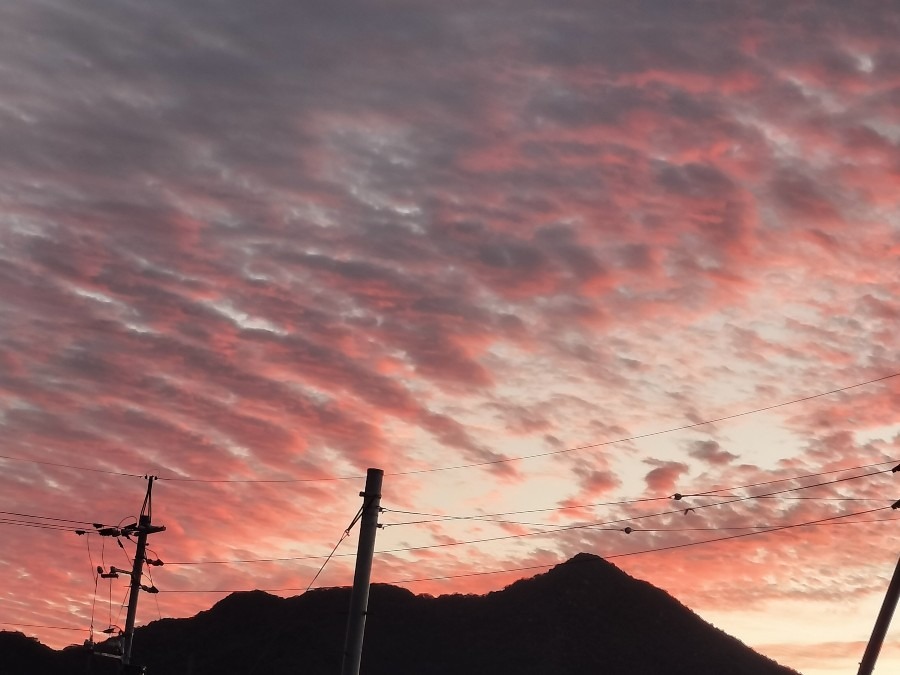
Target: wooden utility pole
{"type": "Point", "coordinates": [867, 665]}
{"type": "Point", "coordinates": [359, 596]}
{"type": "Point", "coordinates": [142, 529]}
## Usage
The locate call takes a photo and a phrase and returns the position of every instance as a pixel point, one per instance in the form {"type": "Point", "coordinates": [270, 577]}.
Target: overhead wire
{"type": "Point", "coordinates": [830, 520]}
{"type": "Point", "coordinates": [553, 528]}
{"type": "Point", "coordinates": [344, 535]}
{"type": "Point", "coordinates": [109, 580]}
{"type": "Point", "coordinates": [31, 515]}
{"type": "Point", "coordinates": [70, 466]}
{"type": "Point", "coordinates": [626, 502]}
{"type": "Point", "coordinates": [734, 500]}
{"type": "Point", "coordinates": [535, 524]}
{"type": "Point", "coordinates": [642, 552]}
{"type": "Point", "coordinates": [727, 528]}
{"type": "Point", "coordinates": [502, 521]}
{"type": "Point", "coordinates": [60, 523]}
{"type": "Point", "coordinates": [37, 625]}
{"type": "Point", "coordinates": [121, 606]}
{"type": "Point", "coordinates": [635, 437]}
{"type": "Point", "coordinates": [683, 427]}
{"type": "Point", "coordinates": [96, 576]}
{"type": "Point", "coordinates": [15, 518]}
{"type": "Point", "coordinates": [502, 460]}
{"type": "Point", "coordinates": [38, 526]}
{"type": "Point", "coordinates": [781, 480]}
{"type": "Point", "coordinates": [600, 525]}
{"type": "Point", "coordinates": [124, 552]}
{"type": "Point", "coordinates": [155, 595]}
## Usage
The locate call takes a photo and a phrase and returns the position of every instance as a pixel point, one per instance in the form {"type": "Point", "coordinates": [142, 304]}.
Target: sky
{"type": "Point", "coordinates": [514, 254]}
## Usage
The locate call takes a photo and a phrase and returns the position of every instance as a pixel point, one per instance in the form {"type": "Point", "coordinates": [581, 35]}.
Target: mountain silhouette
{"type": "Point", "coordinates": [583, 617]}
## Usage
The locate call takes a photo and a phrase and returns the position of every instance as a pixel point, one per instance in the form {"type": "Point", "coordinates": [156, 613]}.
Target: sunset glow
{"type": "Point", "coordinates": [515, 254]}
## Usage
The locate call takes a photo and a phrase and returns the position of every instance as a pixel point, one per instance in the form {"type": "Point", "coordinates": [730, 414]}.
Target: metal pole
{"type": "Point", "coordinates": [867, 665]}
{"type": "Point", "coordinates": [136, 572]}
{"type": "Point", "coordinates": [143, 528]}
{"type": "Point", "coordinates": [359, 596]}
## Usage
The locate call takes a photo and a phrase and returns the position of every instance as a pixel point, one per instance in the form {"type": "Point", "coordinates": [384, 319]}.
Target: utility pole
{"type": "Point", "coordinates": [867, 665]}
{"type": "Point", "coordinates": [359, 596]}
{"type": "Point", "coordinates": [142, 529]}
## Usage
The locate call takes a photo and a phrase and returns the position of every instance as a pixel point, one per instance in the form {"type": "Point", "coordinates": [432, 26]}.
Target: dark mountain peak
{"type": "Point", "coordinates": [24, 654]}
{"type": "Point", "coordinates": [244, 599]}
{"type": "Point", "coordinates": [583, 616]}
{"type": "Point", "coordinates": [583, 572]}
{"type": "Point", "coordinates": [585, 557]}
{"type": "Point", "coordinates": [240, 607]}
{"type": "Point", "coordinates": [395, 593]}
{"type": "Point", "coordinates": [588, 565]}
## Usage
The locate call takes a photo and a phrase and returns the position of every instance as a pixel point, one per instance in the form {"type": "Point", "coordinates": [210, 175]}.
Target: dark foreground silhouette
{"type": "Point", "coordinates": [583, 617]}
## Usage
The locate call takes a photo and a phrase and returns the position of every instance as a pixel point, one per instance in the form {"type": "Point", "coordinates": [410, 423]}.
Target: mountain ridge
{"type": "Point", "coordinates": [583, 616]}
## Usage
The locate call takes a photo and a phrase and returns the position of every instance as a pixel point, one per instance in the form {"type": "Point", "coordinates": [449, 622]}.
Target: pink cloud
{"type": "Point", "coordinates": [664, 477]}
{"type": "Point", "coordinates": [463, 236]}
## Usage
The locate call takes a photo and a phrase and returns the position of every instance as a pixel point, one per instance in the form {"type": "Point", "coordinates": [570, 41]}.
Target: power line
{"type": "Point", "coordinates": [587, 446]}
{"type": "Point", "coordinates": [770, 495]}
{"type": "Point", "coordinates": [36, 625]}
{"type": "Point", "coordinates": [411, 472]}
{"type": "Point", "coordinates": [633, 553]}
{"type": "Point", "coordinates": [31, 515]}
{"type": "Point", "coordinates": [344, 535]}
{"type": "Point", "coordinates": [793, 489]}
{"type": "Point", "coordinates": [554, 529]}
{"type": "Point", "coordinates": [533, 524]}
{"type": "Point", "coordinates": [828, 521]}
{"type": "Point", "coordinates": [516, 513]}
{"type": "Point", "coordinates": [39, 526]}
{"type": "Point", "coordinates": [629, 519]}
{"type": "Point", "coordinates": [478, 541]}
{"type": "Point", "coordinates": [605, 526]}
{"type": "Point", "coordinates": [758, 527]}
{"type": "Point", "coordinates": [70, 466]}
{"type": "Point", "coordinates": [327, 557]}
{"type": "Point", "coordinates": [47, 522]}
{"type": "Point", "coordinates": [323, 479]}
{"type": "Point", "coordinates": [781, 480]}
{"type": "Point", "coordinates": [651, 434]}
{"type": "Point", "coordinates": [249, 560]}
{"type": "Point", "coordinates": [96, 576]}
{"type": "Point", "coordinates": [489, 517]}
{"type": "Point", "coordinates": [155, 595]}
{"type": "Point", "coordinates": [810, 523]}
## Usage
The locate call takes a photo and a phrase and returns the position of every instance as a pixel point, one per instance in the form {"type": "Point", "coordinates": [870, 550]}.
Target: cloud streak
{"type": "Point", "coordinates": [280, 241]}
